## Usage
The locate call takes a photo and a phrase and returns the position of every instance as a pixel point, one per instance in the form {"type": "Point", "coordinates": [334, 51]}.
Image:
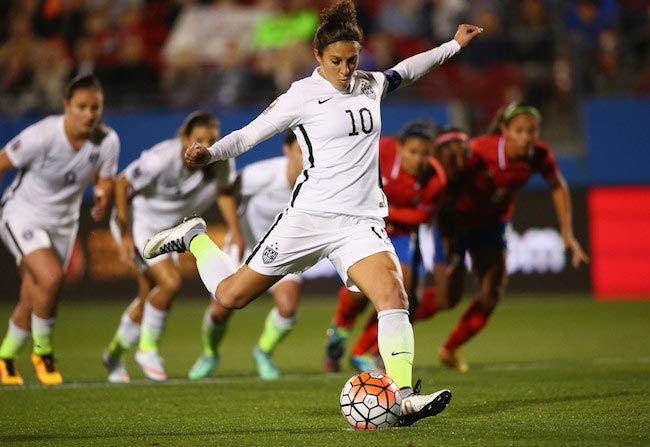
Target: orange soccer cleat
{"type": "Point", "coordinates": [452, 359]}
{"type": "Point", "coordinates": [8, 373]}
{"type": "Point", "coordinates": [46, 371]}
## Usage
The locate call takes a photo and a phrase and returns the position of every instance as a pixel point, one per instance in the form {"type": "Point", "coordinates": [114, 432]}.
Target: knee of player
{"type": "Point", "coordinates": [51, 281]}
{"type": "Point", "coordinates": [230, 299]}
{"type": "Point", "coordinates": [171, 283]}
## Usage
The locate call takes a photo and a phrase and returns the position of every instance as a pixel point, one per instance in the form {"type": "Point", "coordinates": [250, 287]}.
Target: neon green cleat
{"type": "Point", "coordinates": [203, 367]}
{"type": "Point", "coordinates": [265, 366]}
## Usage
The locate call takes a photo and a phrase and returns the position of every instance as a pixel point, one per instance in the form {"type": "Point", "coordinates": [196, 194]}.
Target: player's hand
{"type": "Point", "coordinates": [234, 245]}
{"type": "Point", "coordinates": [466, 33]}
{"type": "Point", "coordinates": [197, 155]}
{"type": "Point", "coordinates": [101, 201]}
{"type": "Point", "coordinates": [127, 250]}
{"type": "Point", "coordinates": [578, 255]}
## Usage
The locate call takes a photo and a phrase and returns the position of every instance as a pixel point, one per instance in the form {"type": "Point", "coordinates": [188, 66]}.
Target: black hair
{"type": "Point", "coordinates": [289, 137]}
{"type": "Point", "coordinates": [198, 118]}
{"type": "Point", "coordinates": [424, 129]}
{"type": "Point", "coordinates": [89, 82]}
{"type": "Point", "coordinates": [337, 23]}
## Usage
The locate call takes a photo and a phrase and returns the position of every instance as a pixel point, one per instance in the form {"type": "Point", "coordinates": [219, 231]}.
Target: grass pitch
{"type": "Point", "coordinates": [547, 371]}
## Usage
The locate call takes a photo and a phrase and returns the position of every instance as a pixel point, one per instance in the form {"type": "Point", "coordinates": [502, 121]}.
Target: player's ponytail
{"type": "Point", "coordinates": [337, 23]}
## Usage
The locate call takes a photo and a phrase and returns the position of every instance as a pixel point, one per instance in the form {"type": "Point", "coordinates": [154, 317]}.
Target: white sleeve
{"type": "Point", "coordinates": [108, 168]}
{"type": "Point", "coordinates": [282, 114]}
{"type": "Point", "coordinates": [417, 66]}
{"type": "Point", "coordinates": [142, 172]}
{"type": "Point", "coordinates": [29, 145]}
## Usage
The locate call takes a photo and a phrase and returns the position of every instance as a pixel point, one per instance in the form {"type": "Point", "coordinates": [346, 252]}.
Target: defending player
{"type": "Point", "coordinates": [153, 192]}
{"type": "Point", "coordinates": [500, 163]}
{"type": "Point", "coordinates": [265, 189]}
{"type": "Point", "coordinates": [58, 158]}
{"type": "Point", "coordinates": [414, 184]}
{"type": "Point", "coordinates": [337, 207]}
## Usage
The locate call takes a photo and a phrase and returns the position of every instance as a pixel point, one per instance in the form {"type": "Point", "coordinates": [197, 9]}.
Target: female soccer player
{"type": "Point", "coordinates": [414, 184]}
{"type": "Point", "coordinates": [500, 163]}
{"type": "Point", "coordinates": [265, 190]}
{"type": "Point", "coordinates": [156, 191]}
{"type": "Point", "coordinates": [337, 206]}
{"type": "Point", "coordinates": [58, 158]}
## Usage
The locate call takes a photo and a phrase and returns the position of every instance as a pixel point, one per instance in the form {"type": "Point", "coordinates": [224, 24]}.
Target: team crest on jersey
{"type": "Point", "coordinates": [367, 90]}
{"type": "Point", "coordinates": [270, 106]}
{"type": "Point", "coordinates": [269, 254]}
{"type": "Point", "coordinates": [94, 158]}
{"type": "Point", "coordinates": [28, 235]}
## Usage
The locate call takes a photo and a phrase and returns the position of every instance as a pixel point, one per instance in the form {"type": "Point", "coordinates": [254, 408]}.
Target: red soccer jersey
{"type": "Point", "coordinates": [487, 193]}
{"type": "Point", "coordinates": [410, 201]}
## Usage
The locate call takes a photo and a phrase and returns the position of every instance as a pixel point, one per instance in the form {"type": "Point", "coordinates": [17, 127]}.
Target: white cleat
{"type": "Point", "coordinates": [151, 364]}
{"type": "Point", "coordinates": [115, 367]}
{"type": "Point", "coordinates": [176, 239]}
{"type": "Point", "coordinates": [418, 406]}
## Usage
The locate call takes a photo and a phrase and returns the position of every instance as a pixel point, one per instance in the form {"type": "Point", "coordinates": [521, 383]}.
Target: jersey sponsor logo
{"type": "Point", "coordinates": [15, 145]}
{"type": "Point", "coordinates": [323, 101]}
{"type": "Point", "coordinates": [269, 254]}
{"type": "Point", "coordinates": [367, 90]}
{"type": "Point", "coordinates": [273, 104]}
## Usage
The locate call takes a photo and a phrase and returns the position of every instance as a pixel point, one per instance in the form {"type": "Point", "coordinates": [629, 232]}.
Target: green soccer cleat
{"type": "Point", "coordinates": [203, 367]}
{"type": "Point", "coordinates": [334, 348]}
{"type": "Point", "coordinates": [364, 363]}
{"type": "Point", "coordinates": [265, 366]}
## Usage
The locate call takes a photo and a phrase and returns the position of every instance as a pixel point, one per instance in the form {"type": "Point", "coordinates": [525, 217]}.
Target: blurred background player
{"type": "Point", "coordinates": [499, 165]}
{"type": "Point", "coordinates": [58, 158]}
{"type": "Point", "coordinates": [337, 207]}
{"type": "Point", "coordinates": [414, 183]}
{"type": "Point", "coordinates": [265, 189]}
{"type": "Point", "coordinates": [153, 192]}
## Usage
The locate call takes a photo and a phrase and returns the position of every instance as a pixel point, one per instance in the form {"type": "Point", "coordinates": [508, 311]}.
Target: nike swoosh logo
{"type": "Point", "coordinates": [321, 101]}
{"type": "Point", "coordinates": [401, 352]}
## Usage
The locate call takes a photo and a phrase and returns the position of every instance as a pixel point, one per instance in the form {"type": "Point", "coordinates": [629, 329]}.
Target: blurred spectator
{"type": "Point", "coordinates": [403, 18]}
{"type": "Point", "coordinates": [50, 76]}
{"type": "Point", "coordinates": [84, 54]}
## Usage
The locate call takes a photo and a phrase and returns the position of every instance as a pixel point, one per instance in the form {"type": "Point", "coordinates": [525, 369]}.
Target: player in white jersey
{"type": "Point", "coordinates": [58, 158]}
{"type": "Point", "coordinates": [337, 205]}
{"type": "Point", "coordinates": [265, 190]}
{"type": "Point", "coordinates": [153, 192]}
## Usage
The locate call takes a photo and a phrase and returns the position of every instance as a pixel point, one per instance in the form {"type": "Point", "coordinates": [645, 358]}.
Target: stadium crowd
{"type": "Point", "coordinates": [170, 53]}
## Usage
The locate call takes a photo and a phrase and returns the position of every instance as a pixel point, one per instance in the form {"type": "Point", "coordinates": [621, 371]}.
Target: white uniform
{"type": "Point", "coordinates": [164, 191]}
{"type": "Point", "coordinates": [265, 193]}
{"type": "Point", "coordinates": [40, 209]}
{"type": "Point", "coordinates": [337, 206]}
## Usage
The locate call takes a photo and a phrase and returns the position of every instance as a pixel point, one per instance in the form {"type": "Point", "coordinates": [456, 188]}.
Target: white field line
{"type": "Point", "coordinates": [243, 379]}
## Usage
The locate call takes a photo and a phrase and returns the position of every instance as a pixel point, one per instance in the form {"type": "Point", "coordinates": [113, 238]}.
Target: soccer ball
{"type": "Point", "coordinates": [370, 400]}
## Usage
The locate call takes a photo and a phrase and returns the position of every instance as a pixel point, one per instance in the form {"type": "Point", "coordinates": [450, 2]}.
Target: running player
{"type": "Point", "coordinates": [414, 184]}
{"type": "Point", "coordinates": [337, 206]}
{"type": "Point", "coordinates": [265, 189]}
{"type": "Point", "coordinates": [58, 158]}
{"type": "Point", "coordinates": [500, 163]}
{"type": "Point", "coordinates": [153, 192]}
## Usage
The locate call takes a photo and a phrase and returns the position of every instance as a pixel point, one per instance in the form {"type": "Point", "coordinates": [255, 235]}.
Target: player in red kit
{"type": "Point", "coordinates": [414, 184]}
{"type": "Point", "coordinates": [500, 163]}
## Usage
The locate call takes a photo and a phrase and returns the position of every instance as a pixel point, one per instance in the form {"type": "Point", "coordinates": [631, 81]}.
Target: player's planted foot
{"type": "Point", "coordinates": [419, 406]}
{"type": "Point", "coordinates": [365, 362]}
{"type": "Point", "coordinates": [176, 239]}
{"type": "Point", "coordinates": [114, 365]}
{"type": "Point", "coordinates": [8, 373]}
{"type": "Point", "coordinates": [151, 364]}
{"type": "Point", "coordinates": [451, 358]}
{"type": "Point", "coordinates": [45, 368]}
{"type": "Point", "coordinates": [265, 366]}
{"type": "Point", "coordinates": [334, 348]}
{"type": "Point", "coordinates": [203, 367]}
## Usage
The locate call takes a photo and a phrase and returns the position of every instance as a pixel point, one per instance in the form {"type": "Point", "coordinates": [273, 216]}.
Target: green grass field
{"type": "Point", "coordinates": [547, 371]}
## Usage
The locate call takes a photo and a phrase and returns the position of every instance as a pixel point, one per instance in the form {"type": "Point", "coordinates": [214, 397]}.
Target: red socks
{"type": "Point", "coordinates": [367, 341]}
{"type": "Point", "coordinates": [426, 306]}
{"type": "Point", "coordinates": [347, 309]}
{"type": "Point", "coordinates": [472, 321]}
